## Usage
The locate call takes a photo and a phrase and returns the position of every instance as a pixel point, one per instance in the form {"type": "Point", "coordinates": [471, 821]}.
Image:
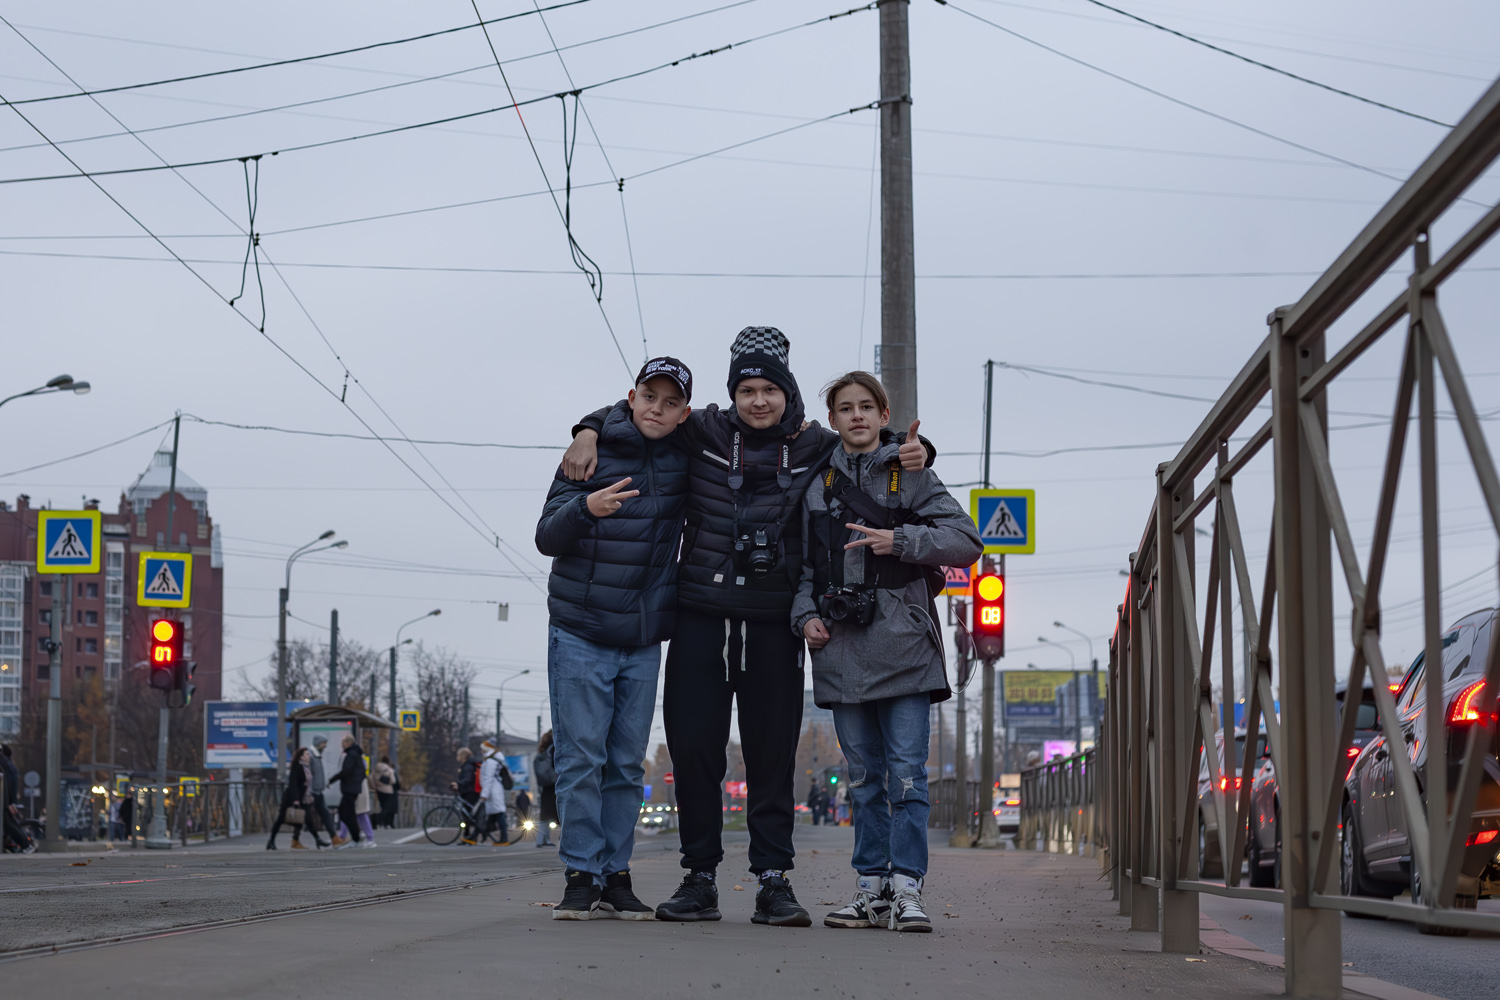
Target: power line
{"type": "Point", "coordinates": [286, 62]}
{"type": "Point", "coordinates": [513, 106]}
{"type": "Point", "coordinates": [1268, 66]}
{"type": "Point", "coordinates": [83, 454]}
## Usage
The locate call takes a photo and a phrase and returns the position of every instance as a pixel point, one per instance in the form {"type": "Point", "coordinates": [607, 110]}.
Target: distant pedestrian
{"type": "Point", "coordinates": [468, 788]}
{"type": "Point", "coordinates": [16, 837]}
{"type": "Point", "coordinates": [814, 805]}
{"type": "Point", "coordinates": [385, 791]}
{"type": "Point", "coordinates": [523, 806]}
{"type": "Point", "coordinates": [875, 539]}
{"type": "Point", "coordinates": [351, 779]}
{"type": "Point", "coordinates": [319, 784]}
{"type": "Point", "coordinates": [362, 813]}
{"type": "Point", "coordinates": [494, 781]}
{"type": "Point", "coordinates": [545, 773]}
{"type": "Point", "coordinates": [296, 802]}
{"type": "Point", "coordinates": [127, 811]}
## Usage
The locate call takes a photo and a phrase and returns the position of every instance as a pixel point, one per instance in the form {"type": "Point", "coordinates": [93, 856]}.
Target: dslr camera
{"type": "Point", "coordinates": [852, 605]}
{"type": "Point", "coordinates": [753, 553]}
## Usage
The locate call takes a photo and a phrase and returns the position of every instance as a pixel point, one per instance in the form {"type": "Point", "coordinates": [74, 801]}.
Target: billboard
{"type": "Point", "coordinates": [242, 733]}
{"type": "Point", "coordinates": [1031, 694]}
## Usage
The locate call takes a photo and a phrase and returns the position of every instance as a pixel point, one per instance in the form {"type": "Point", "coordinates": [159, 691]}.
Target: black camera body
{"type": "Point", "coordinates": [753, 553]}
{"type": "Point", "coordinates": [851, 605]}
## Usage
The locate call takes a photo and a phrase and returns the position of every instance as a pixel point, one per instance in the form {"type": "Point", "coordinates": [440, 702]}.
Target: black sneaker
{"type": "Point", "coordinates": [619, 902]}
{"type": "Point", "coordinates": [777, 905]}
{"type": "Point", "coordinates": [579, 899]}
{"type": "Point", "coordinates": [697, 898]}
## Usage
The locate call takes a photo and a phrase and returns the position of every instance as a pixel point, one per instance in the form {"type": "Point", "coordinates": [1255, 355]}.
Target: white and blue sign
{"type": "Point", "coordinates": [1006, 520]}
{"type": "Point", "coordinates": [165, 580]}
{"type": "Point", "coordinates": [67, 541]}
{"type": "Point", "coordinates": [243, 733]}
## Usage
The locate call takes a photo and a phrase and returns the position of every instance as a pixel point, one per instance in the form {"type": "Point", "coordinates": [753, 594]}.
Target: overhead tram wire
{"type": "Point", "coordinates": [342, 396]}
{"type": "Point", "coordinates": [1268, 66]}
{"type": "Point", "coordinates": [515, 104]}
{"type": "Point", "coordinates": [286, 62]}
{"type": "Point", "coordinates": [1180, 102]}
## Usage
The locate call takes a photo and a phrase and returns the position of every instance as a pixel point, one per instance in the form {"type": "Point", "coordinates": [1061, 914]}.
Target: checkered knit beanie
{"type": "Point", "coordinates": [761, 352]}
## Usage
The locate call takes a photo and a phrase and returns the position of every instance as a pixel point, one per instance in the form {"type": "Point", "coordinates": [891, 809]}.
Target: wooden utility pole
{"type": "Point", "coordinates": [898, 272]}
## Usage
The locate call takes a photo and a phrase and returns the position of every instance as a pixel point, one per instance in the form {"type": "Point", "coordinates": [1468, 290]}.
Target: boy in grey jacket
{"type": "Point", "coordinates": [874, 535]}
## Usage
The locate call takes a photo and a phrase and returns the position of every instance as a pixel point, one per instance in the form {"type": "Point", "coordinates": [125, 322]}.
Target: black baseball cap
{"type": "Point", "coordinates": [672, 369]}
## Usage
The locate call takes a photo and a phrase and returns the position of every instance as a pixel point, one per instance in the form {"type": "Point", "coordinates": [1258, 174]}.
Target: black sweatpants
{"type": "Point", "coordinates": [348, 816]}
{"type": "Point", "coordinates": [763, 670]}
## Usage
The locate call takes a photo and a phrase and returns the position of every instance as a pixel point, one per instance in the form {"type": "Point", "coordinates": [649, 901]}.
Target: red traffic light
{"type": "Point", "coordinates": [165, 652]}
{"type": "Point", "coordinates": [989, 615]}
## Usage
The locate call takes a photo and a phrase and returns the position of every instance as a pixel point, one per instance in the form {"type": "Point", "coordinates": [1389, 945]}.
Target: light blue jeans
{"type": "Point", "coordinates": [603, 698]}
{"type": "Point", "coordinates": [885, 742]}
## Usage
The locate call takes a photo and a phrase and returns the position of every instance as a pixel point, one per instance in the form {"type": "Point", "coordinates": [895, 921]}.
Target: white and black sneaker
{"type": "Point", "coordinates": [871, 906]}
{"type": "Point", "coordinates": [580, 899]}
{"type": "Point", "coordinates": [906, 905]}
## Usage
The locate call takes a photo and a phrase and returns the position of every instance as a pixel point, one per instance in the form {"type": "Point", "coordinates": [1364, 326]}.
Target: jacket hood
{"type": "Point", "coordinates": [887, 452]}
{"type": "Point", "coordinates": [620, 431]}
{"type": "Point", "coordinates": [791, 419]}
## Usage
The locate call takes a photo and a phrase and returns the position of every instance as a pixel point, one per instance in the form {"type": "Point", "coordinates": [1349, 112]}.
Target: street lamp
{"type": "Point", "coordinates": [1077, 716]}
{"type": "Point", "coordinates": [62, 383]}
{"type": "Point", "coordinates": [499, 723]}
{"type": "Point", "coordinates": [1094, 663]}
{"type": "Point", "coordinates": [391, 740]}
{"type": "Point", "coordinates": [281, 665]}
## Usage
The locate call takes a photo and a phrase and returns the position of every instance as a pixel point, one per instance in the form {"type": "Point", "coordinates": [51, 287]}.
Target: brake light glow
{"type": "Point", "coordinates": [1224, 784]}
{"type": "Point", "coordinates": [1352, 752]}
{"type": "Point", "coordinates": [1482, 837]}
{"type": "Point", "coordinates": [1012, 802]}
{"type": "Point", "coordinates": [1465, 708]}
{"type": "Point", "coordinates": [1394, 687]}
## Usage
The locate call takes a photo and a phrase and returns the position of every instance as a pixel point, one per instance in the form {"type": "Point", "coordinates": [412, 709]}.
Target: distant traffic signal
{"type": "Point", "coordinates": [165, 653]}
{"type": "Point", "coordinates": [182, 680]}
{"type": "Point", "coordinates": [833, 779]}
{"type": "Point", "coordinates": [989, 615]}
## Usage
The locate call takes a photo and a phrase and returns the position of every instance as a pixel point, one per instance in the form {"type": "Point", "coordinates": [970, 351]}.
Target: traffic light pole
{"type": "Point", "coordinates": [61, 608]}
{"type": "Point", "coordinates": [157, 837]}
{"type": "Point", "coordinates": [989, 831]}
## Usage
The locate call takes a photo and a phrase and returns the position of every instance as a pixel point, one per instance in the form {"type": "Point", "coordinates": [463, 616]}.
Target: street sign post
{"type": "Point", "coordinates": [411, 720]}
{"type": "Point", "coordinates": [1006, 520]}
{"type": "Point", "coordinates": [67, 541]}
{"type": "Point", "coordinates": [165, 580]}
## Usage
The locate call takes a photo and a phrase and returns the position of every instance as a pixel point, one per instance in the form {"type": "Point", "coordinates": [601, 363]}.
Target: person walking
{"type": "Point", "coordinates": [318, 787]}
{"type": "Point", "coordinates": [385, 791]}
{"type": "Point", "coordinates": [814, 807]}
{"type": "Point", "coordinates": [494, 781]}
{"type": "Point", "coordinates": [741, 557]}
{"type": "Point", "coordinates": [10, 810]}
{"type": "Point", "coordinates": [296, 802]}
{"type": "Point", "coordinates": [362, 813]}
{"type": "Point", "coordinates": [351, 778]}
{"type": "Point", "coordinates": [523, 807]}
{"type": "Point", "coordinates": [875, 541]}
{"type": "Point", "coordinates": [545, 773]}
{"type": "Point", "coordinates": [468, 788]}
{"type": "Point", "coordinates": [127, 811]}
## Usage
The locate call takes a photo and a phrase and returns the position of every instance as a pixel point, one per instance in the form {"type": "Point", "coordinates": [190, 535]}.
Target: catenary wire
{"type": "Point", "coordinates": [1268, 66]}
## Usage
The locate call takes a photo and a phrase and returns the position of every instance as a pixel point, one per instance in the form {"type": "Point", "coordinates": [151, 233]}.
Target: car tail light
{"type": "Point", "coordinates": [1352, 752]}
{"type": "Point", "coordinates": [1465, 707]}
{"type": "Point", "coordinates": [1482, 837]}
{"type": "Point", "coordinates": [1224, 784]}
{"type": "Point", "coordinates": [1012, 802]}
{"type": "Point", "coordinates": [1395, 687]}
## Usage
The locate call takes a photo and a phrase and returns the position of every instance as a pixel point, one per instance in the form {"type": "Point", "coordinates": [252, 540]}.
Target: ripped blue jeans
{"type": "Point", "coordinates": [885, 743]}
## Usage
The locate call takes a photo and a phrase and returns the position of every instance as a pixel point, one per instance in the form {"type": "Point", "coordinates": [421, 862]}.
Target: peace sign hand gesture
{"type": "Point", "coordinates": [879, 540]}
{"type": "Point", "coordinates": [610, 499]}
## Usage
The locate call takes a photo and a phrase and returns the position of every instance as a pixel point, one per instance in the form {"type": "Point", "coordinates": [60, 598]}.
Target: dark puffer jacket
{"type": "Point", "coordinates": [711, 580]}
{"type": "Point", "coordinates": [614, 579]}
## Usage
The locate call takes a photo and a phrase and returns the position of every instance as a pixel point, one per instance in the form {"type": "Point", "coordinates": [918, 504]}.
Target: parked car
{"type": "Point", "coordinates": [1008, 810]}
{"type": "Point", "coordinates": [1210, 864]}
{"type": "Point", "coordinates": [1265, 796]}
{"type": "Point", "coordinates": [1376, 857]}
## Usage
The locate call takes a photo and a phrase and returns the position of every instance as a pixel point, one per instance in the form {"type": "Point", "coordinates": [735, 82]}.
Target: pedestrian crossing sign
{"type": "Point", "coordinates": [165, 580]}
{"type": "Point", "coordinates": [1006, 520]}
{"type": "Point", "coordinates": [956, 580]}
{"type": "Point", "coordinates": [67, 541]}
{"type": "Point", "coordinates": [411, 720]}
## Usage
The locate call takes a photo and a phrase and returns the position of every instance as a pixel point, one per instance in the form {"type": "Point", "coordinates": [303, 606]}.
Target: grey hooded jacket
{"type": "Point", "coordinates": [901, 651]}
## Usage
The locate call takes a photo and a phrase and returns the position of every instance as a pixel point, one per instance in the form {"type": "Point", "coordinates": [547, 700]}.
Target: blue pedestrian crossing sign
{"type": "Point", "coordinates": [67, 541]}
{"type": "Point", "coordinates": [411, 720]}
{"type": "Point", "coordinates": [165, 580]}
{"type": "Point", "coordinates": [1006, 520]}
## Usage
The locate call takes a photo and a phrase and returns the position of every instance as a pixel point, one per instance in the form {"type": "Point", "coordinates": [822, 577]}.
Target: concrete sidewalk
{"type": "Point", "coordinates": [1007, 922]}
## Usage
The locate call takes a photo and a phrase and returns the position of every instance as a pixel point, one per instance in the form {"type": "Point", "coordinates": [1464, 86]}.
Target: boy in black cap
{"type": "Point", "coordinates": [741, 561]}
{"type": "Point", "coordinates": [612, 598]}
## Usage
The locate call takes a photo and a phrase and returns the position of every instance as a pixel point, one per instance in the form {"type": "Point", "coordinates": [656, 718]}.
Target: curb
{"type": "Point", "coordinates": [1216, 938]}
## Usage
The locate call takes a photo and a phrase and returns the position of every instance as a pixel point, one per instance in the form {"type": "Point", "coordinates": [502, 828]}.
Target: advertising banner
{"type": "Point", "coordinates": [242, 733]}
{"type": "Point", "coordinates": [1031, 694]}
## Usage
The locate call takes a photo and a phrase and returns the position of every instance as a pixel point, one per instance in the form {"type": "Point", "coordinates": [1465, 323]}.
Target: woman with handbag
{"type": "Point", "coordinates": [296, 802]}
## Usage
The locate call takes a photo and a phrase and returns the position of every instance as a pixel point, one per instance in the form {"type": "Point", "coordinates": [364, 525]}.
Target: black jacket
{"type": "Point", "coordinates": [712, 578]}
{"type": "Point", "coordinates": [614, 579]}
{"type": "Point", "coordinates": [351, 775]}
{"type": "Point", "coordinates": [468, 773]}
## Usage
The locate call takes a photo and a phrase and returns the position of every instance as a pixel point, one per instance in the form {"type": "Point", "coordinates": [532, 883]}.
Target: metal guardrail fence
{"type": "Point", "coordinates": [1060, 807]}
{"type": "Point", "coordinates": [946, 812]}
{"type": "Point", "coordinates": [223, 809]}
{"type": "Point", "coordinates": [1162, 713]}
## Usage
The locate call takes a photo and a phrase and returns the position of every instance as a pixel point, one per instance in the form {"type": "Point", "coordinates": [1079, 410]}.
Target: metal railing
{"type": "Point", "coordinates": [1162, 713]}
{"type": "Point", "coordinates": [1059, 807]}
{"type": "Point", "coordinates": [946, 813]}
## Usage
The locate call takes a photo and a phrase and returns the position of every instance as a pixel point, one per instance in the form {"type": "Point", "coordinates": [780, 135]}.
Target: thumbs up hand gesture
{"type": "Point", "coordinates": [913, 452]}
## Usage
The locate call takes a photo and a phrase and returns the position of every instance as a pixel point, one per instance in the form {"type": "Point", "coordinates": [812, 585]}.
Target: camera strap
{"type": "Point", "coordinates": [736, 478]}
{"type": "Point", "coordinates": [890, 572]}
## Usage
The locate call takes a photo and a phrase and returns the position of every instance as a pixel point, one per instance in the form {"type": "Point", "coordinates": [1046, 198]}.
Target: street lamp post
{"type": "Point", "coordinates": [499, 723]}
{"type": "Point", "coordinates": [391, 736]}
{"type": "Point", "coordinates": [281, 665]}
{"type": "Point", "coordinates": [1077, 717]}
{"type": "Point", "coordinates": [1094, 664]}
{"type": "Point", "coordinates": [52, 839]}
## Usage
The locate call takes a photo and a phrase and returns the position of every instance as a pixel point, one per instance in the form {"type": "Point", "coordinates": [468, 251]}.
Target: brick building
{"type": "Point", "coordinates": [106, 632]}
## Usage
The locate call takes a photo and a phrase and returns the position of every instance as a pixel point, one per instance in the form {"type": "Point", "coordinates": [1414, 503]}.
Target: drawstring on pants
{"type": "Point", "coordinates": [728, 630]}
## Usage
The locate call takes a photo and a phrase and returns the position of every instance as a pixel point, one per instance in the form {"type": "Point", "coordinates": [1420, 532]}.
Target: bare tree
{"type": "Point", "coordinates": [307, 674]}
{"type": "Point", "coordinates": [443, 680]}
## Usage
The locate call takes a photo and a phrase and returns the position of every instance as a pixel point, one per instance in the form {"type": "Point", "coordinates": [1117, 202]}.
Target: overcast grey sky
{"type": "Point", "coordinates": [1028, 167]}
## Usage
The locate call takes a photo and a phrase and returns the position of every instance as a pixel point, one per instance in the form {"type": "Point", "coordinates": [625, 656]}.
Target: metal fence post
{"type": "Point", "coordinates": [1304, 588]}
{"type": "Point", "coordinates": [1143, 898]}
{"type": "Point", "coordinates": [1179, 908]}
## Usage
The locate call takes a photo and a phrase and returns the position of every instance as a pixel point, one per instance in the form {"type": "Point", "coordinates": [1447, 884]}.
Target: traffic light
{"type": "Point", "coordinates": [989, 615]}
{"type": "Point", "coordinates": [182, 680]}
{"type": "Point", "coordinates": [833, 779]}
{"type": "Point", "coordinates": [165, 654]}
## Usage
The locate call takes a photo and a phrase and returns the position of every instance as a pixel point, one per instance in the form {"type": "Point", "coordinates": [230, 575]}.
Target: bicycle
{"type": "Point", "coordinates": [455, 820]}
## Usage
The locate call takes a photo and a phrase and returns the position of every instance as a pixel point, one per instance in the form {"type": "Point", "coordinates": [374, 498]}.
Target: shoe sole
{"type": "Point", "coordinates": [608, 912]}
{"type": "Point", "coordinates": [850, 922]}
{"type": "Point", "coordinates": [686, 918]}
{"type": "Point", "coordinates": [572, 914]}
{"type": "Point", "coordinates": [795, 920]}
{"type": "Point", "coordinates": [918, 926]}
